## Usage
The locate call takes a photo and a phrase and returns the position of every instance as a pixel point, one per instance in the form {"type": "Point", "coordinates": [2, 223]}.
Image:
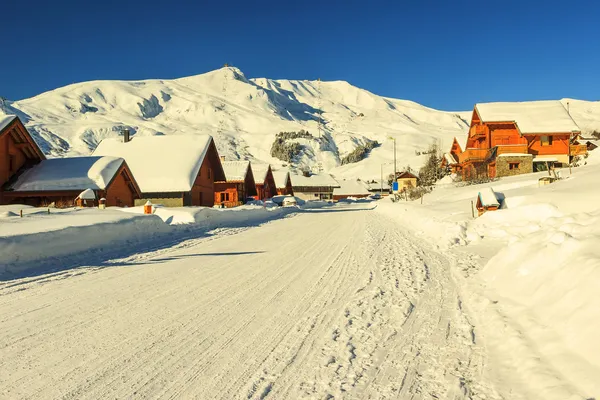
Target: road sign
{"type": "Point", "coordinates": [395, 187]}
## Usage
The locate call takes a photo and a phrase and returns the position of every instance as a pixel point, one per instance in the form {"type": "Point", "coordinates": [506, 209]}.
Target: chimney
{"type": "Point", "coordinates": [125, 135]}
{"type": "Point", "coordinates": [222, 158]}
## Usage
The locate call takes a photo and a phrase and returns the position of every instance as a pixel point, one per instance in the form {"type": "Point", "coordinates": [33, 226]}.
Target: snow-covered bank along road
{"type": "Point", "coordinates": [335, 303]}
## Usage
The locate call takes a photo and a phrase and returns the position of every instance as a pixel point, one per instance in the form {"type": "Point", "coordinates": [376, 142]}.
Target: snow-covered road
{"type": "Point", "coordinates": [333, 303]}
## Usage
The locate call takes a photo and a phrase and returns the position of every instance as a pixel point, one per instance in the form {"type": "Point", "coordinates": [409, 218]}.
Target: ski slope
{"type": "Point", "coordinates": [348, 306]}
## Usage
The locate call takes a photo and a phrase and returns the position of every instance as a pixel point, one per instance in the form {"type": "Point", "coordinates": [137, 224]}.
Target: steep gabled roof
{"type": "Point", "coordinates": [5, 120]}
{"type": "Point", "coordinates": [21, 135]}
{"type": "Point", "coordinates": [406, 174]}
{"type": "Point", "coordinates": [316, 180]}
{"type": "Point", "coordinates": [64, 174]}
{"type": "Point", "coordinates": [351, 187]}
{"type": "Point", "coordinates": [260, 172]}
{"type": "Point", "coordinates": [235, 171]}
{"type": "Point", "coordinates": [281, 177]}
{"type": "Point", "coordinates": [165, 163]}
{"type": "Point", "coordinates": [531, 117]}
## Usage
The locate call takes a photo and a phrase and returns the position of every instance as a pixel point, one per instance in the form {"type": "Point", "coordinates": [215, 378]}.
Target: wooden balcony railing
{"type": "Point", "coordinates": [511, 148]}
{"type": "Point", "coordinates": [578, 149]}
{"type": "Point", "coordinates": [473, 155]}
{"type": "Point", "coordinates": [478, 131]}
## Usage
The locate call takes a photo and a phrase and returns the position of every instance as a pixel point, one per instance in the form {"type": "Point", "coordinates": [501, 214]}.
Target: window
{"type": "Point", "coordinates": [11, 164]}
{"type": "Point", "coordinates": [224, 197]}
{"type": "Point", "coordinates": [209, 171]}
{"type": "Point", "coordinates": [546, 140]}
{"type": "Point", "coordinates": [513, 165]}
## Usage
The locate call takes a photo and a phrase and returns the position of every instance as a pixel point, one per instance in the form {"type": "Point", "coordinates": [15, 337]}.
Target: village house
{"type": "Point", "coordinates": [406, 180]}
{"type": "Point", "coordinates": [172, 170]}
{"type": "Point", "coordinates": [314, 187]}
{"type": "Point", "coordinates": [265, 182]}
{"type": "Point", "coordinates": [353, 188]}
{"type": "Point", "coordinates": [238, 184]}
{"type": "Point", "coordinates": [514, 138]}
{"type": "Point", "coordinates": [376, 186]}
{"type": "Point", "coordinates": [60, 181]}
{"type": "Point", "coordinates": [283, 182]}
{"type": "Point", "coordinates": [18, 151]}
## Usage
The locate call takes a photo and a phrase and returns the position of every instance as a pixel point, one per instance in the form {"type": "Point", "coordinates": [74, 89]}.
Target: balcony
{"type": "Point", "coordinates": [578, 149]}
{"type": "Point", "coordinates": [511, 148]}
{"type": "Point", "coordinates": [473, 155]}
{"type": "Point", "coordinates": [478, 131]}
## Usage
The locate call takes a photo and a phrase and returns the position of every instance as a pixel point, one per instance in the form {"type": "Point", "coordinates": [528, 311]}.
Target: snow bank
{"type": "Point", "coordinates": [532, 271]}
{"type": "Point", "coordinates": [42, 241]}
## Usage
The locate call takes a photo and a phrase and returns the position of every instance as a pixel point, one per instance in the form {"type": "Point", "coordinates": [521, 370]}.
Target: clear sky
{"type": "Point", "coordinates": [444, 54]}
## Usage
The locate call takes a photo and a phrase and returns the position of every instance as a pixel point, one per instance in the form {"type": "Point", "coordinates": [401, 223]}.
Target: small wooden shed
{"type": "Point", "coordinates": [487, 200]}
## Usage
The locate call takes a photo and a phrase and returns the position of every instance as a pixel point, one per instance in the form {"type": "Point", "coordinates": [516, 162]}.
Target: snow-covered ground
{"type": "Point", "coordinates": [530, 273]}
{"type": "Point", "coordinates": [332, 303]}
{"type": "Point", "coordinates": [54, 239]}
{"type": "Point", "coordinates": [364, 299]}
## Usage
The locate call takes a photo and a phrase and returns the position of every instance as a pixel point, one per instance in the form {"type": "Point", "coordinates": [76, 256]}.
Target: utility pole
{"type": "Point", "coordinates": [381, 182]}
{"type": "Point", "coordinates": [395, 169]}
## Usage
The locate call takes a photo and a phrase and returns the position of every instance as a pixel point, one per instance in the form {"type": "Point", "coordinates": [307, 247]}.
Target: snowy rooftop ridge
{"type": "Point", "coordinates": [235, 170]}
{"type": "Point", "coordinates": [281, 176]}
{"type": "Point", "coordinates": [260, 172]}
{"type": "Point", "coordinates": [547, 116]}
{"type": "Point", "coordinates": [488, 197]}
{"type": "Point", "coordinates": [317, 180]}
{"type": "Point", "coordinates": [5, 120]}
{"type": "Point", "coordinates": [168, 163]}
{"type": "Point", "coordinates": [351, 187]}
{"type": "Point", "coordinates": [74, 173]}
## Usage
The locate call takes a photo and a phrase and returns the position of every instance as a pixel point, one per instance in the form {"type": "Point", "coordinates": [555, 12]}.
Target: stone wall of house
{"type": "Point", "coordinates": [503, 165]}
{"type": "Point", "coordinates": [167, 202]}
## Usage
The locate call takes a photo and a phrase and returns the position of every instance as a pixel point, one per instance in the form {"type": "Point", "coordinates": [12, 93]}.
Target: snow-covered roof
{"type": "Point", "coordinates": [375, 184]}
{"type": "Point", "coordinates": [281, 176]}
{"type": "Point", "coordinates": [487, 196]}
{"type": "Point", "coordinates": [5, 120]}
{"type": "Point", "coordinates": [166, 163]}
{"type": "Point", "coordinates": [235, 170]}
{"type": "Point", "coordinates": [548, 116]}
{"type": "Point", "coordinates": [74, 173]}
{"type": "Point", "coordinates": [450, 158]}
{"type": "Point", "coordinates": [317, 180]}
{"type": "Point", "coordinates": [87, 194]}
{"type": "Point", "coordinates": [260, 172]}
{"type": "Point", "coordinates": [350, 187]}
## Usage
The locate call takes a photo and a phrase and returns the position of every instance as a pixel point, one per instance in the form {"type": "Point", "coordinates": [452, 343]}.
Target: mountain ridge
{"type": "Point", "coordinates": [244, 115]}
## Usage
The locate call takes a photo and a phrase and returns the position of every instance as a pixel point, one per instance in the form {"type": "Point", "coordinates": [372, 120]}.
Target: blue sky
{"type": "Point", "coordinates": [444, 54]}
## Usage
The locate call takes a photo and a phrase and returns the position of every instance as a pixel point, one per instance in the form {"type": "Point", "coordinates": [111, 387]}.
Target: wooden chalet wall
{"type": "Point", "coordinates": [266, 189]}
{"type": "Point", "coordinates": [121, 191]}
{"type": "Point", "coordinates": [17, 150]}
{"type": "Point", "coordinates": [287, 190]}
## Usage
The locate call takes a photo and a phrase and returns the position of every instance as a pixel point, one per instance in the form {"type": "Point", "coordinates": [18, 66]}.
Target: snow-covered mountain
{"type": "Point", "coordinates": [244, 115]}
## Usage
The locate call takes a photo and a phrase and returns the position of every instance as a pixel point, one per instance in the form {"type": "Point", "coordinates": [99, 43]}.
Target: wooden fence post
{"type": "Point", "coordinates": [472, 210]}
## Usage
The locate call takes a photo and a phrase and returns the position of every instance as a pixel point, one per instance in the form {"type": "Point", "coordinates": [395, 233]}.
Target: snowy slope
{"type": "Point", "coordinates": [244, 115]}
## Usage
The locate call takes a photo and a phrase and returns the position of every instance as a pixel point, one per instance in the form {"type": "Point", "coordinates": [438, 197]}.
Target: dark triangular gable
{"type": "Point", "coordinates": [21, 136]}
{"type": "Point", "coordinates": [215, 162]}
